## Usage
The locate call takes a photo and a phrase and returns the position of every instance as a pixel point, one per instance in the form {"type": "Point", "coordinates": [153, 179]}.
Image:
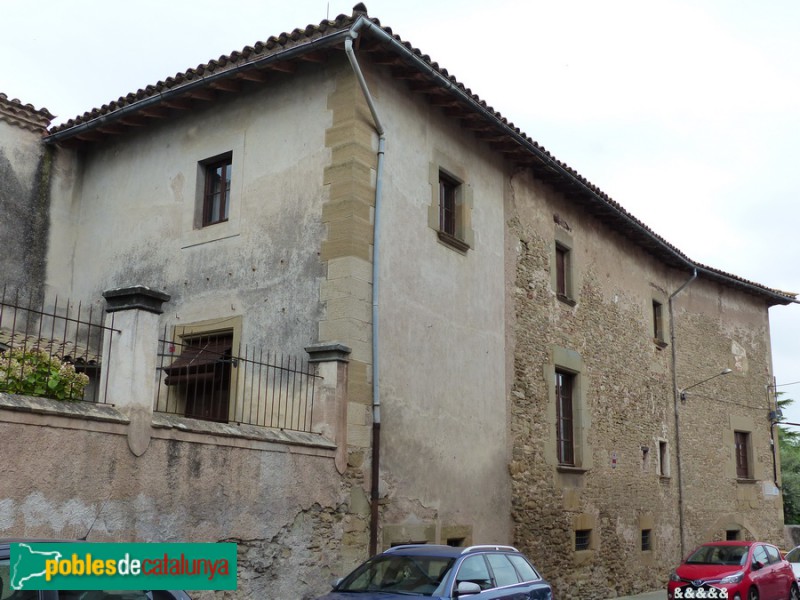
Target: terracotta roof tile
{"type": "Point", "coordinates": [24, 115]}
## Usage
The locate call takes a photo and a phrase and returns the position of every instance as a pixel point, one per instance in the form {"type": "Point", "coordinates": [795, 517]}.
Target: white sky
{"type": "Point", "coordinates": [686, 113]}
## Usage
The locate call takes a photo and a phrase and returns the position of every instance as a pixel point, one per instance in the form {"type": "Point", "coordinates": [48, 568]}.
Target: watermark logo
{"type": "Point", "coordinates": [107, 566]}
{"type": "Point", "coordinates": [705, 592]}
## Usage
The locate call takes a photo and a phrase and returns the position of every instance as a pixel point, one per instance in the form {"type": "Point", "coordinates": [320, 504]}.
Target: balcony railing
{"type": "Point", "coordinates": [72, 333]}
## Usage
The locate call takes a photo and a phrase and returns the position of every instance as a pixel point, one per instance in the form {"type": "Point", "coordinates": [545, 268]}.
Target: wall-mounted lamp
{"type": "Point", "coordinates": [775, 415]}
{"type": "Point", "coordinates": [683, 391]}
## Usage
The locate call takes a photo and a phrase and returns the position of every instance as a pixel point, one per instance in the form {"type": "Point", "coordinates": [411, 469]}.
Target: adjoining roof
{"type": "Point", "coordinates": [255, 65]}
{"type": "Point", "coordinates": [24, 115]}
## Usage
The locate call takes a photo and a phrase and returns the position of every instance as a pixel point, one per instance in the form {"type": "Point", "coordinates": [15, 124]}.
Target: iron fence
{"type": "Point", "coordinates": [33, 331]}
{"type": "Point", "coordinates": [203, 376]}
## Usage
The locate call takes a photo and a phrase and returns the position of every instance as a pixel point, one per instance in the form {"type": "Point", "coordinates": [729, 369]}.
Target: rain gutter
{"type": "Point", "coordinates": [676, 405]}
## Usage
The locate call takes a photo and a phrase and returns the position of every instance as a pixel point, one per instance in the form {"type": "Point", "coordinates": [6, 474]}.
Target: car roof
{"type": "Point", "coordinates": [445, 551]}
{"type": "Point", "coordinates": [733, 543]}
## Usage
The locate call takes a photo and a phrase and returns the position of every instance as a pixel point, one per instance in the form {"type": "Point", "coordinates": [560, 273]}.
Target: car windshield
{"type": "Point", "coordinates": [718, 555]}
{"type": "Point", "coordinates": [422, 575]}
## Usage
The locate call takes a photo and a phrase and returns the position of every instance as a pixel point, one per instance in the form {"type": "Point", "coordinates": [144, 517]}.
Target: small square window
{"type": "Point", "coordinates": [646, 540]}
{"type": "Point", "coordinates": [732, 535]}
{"type": "Point", "coordinates": [583, 539]}
{"type": "Point", "coordinates": [217, 189]}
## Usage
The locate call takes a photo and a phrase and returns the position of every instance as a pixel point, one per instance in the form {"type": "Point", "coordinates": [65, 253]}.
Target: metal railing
{"type": "Point", "coordinates": [63, 330]}
{"type": "Point", "coordinates": [204, 377]}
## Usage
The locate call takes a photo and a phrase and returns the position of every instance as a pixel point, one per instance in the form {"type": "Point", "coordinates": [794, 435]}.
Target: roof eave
{"type": "Point", "coordinates": [325, 41]}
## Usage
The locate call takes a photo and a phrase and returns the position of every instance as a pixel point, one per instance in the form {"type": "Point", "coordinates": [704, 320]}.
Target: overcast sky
{"type": "Point", "coordinates": [686, 113]}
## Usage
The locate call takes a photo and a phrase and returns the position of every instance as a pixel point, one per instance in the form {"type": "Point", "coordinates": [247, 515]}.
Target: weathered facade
{"type": "Point", "coordinates": [516, 378]}
{"type": "Point", "coordinates": [24, 183]}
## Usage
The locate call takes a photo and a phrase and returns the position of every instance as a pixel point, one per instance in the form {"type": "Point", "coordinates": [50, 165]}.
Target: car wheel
{"type": "Point", "coordinates": [752, 594]}
{"type": "Point", "coordinates": [794, 593]}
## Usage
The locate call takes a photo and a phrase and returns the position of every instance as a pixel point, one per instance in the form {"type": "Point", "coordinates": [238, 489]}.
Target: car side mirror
{"type": "Point", "coordinates": [757, 564]}
{"type": "Point", "coordinates": [467, 588]}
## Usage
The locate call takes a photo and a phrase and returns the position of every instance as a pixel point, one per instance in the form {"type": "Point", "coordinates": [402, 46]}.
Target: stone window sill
{"type": "Point", "coordinates": [453, 242]}
{"type": "Point", "coordinates": [566, 300]}
{"type": "Point", "coordinates": [571, 469]}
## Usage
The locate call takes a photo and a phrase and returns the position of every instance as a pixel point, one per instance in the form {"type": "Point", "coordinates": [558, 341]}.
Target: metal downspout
{"type": "Point", "coordinates": [376, 402]}
{"type": "Point", "coordinates": [676, 397]}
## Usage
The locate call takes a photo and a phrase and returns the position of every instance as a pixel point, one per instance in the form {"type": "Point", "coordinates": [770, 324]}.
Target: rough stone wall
{"type": "Point", "coordinates": [720, 329]}
{"type": "Point", "coordinates": [24, 196]}
{"type": "Point", "coordinates": [627, 381]}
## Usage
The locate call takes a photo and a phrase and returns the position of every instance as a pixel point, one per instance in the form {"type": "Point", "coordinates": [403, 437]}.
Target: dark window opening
{"type": "Point", "coordinates": [658, 321]}
{"type": "Point", "coordinates": [663, 459]}
{"type": "Point", "coordinates": [562, 264]}
{"type": "Point", "coordinates": [742, 443]}
{"type": "Point", "coordinates": [447, 204]}
{"type": "Point", "coordinates": [583, 538]}
{"type": "Point", "coordinates": [203, 372]}
{"type": "Point", "coordinates": [456, 542]}
{"type": "Point", "coordinates": [646, 540]}
{"type": "Point", "coordinates": [564, 421]}
{"type": "Point", "coordinates": [217, 191]}
{"type": "Point", "coordinates": [732, 535]}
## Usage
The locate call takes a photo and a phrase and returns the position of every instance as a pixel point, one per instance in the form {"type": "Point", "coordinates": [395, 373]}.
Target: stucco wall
{"type": "Point", "coordinates": [626, 378]}
{"type": "Point", "coordinates": [442, 387]}
{"type": "Point", "coordinates": [131, 204]}
{"type": "Point", "coordinates": [24, 173]}
{"type": "Point", "coordinates": [285, 506]}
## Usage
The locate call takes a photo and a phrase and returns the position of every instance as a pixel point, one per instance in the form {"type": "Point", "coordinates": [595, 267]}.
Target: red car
{"type": "Point", "coordinates": [734, 570]}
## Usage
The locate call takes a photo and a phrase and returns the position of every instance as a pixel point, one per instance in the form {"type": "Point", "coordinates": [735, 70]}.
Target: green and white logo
{"type": "Point", "coordinates": [107, 566]}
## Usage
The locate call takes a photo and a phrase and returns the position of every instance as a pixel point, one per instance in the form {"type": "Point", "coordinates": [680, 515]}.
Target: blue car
{"type": "Point", "coordinates": [443, 572]}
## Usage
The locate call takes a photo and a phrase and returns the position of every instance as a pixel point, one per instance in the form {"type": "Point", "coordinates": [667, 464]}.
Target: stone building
{"type": "Point", "coordinates": [501, 348]}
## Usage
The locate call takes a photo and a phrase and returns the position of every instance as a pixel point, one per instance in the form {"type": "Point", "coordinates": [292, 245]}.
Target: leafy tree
{"type": "Point", "coordinates": [789, 446]}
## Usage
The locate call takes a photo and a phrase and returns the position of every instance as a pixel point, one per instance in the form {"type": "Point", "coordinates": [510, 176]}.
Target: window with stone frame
{"type": "Point", "coordinates": [583, 539]}
{"type": "Point", "coordinates": [647, 542]}
{"type": "Point", "coordinates": [451, 212]}
{"type": "Point", "coordinates": [562, 264]}
{"type": "Point", "coordinates": [217, 189]}
{"type": "Point", "coordinates": [663, 458]}
{"type": "Point", "coordinates": [562, 269]}
{"type": "Point", "coordinates": [450, 209]}
{"type": "Point", "coordinates": [201, 374]}
{"type": "Point", "coordinates": [742, 451]}
{"type": "Point", "coordinates": [565, 438]}
{"type": "Point", "coordinates": [658, 323]}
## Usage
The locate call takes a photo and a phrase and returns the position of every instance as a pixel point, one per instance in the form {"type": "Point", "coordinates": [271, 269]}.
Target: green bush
{"type": "Point", "coordinates": [35, 373]}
